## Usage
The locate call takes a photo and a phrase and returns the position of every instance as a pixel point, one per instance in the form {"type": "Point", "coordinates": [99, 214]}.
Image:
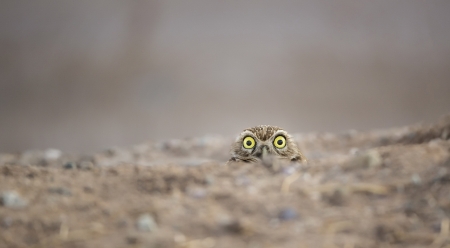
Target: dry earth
{"type": "Point", "coordinates": [383, 188]}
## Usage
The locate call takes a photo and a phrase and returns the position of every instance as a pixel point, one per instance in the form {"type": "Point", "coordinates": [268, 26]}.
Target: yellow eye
{"type": "Point", "coordinates": [248, 142]}
{"type": "Point", "coordinates": [279, 142]}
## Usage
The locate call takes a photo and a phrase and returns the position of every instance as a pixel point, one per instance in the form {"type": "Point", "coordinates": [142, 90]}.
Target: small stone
{"type": "Point", "coordinates": [146, 223]}
{"type": "Point", "coordinates": [287, 214]}
{"type": "Point", "coordinates": [415, 179]}
{"type": "Point", "coordinates": [235, 226]}
{"type": "Point", "coordinates": [52, 154]}
{"type": "Point", "coordinates": [60, 191]}
{"type": "Point", "coordinates": [86, 165]}
{"type": "Point", "coordinates": [336, 198]}
{"type": "Point", "coordinates": [12, 200]}
{"type": "Point", "coordinates": [70, 165]}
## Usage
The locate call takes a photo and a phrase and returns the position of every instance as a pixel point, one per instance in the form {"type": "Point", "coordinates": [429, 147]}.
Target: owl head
{"type": "Point", "coordinates": [257, 144]}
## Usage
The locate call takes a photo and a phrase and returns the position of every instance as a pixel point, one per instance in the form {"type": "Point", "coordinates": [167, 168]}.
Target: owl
{"type": "Point", "coordinates": [262, 144]}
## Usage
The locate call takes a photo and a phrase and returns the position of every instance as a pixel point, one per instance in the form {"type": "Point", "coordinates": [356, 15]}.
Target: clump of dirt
{"type": "Point", "coordinates": [383, 188]}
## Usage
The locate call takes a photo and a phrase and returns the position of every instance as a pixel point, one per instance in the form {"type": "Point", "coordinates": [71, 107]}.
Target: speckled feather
{"type": "Point", "coordinates": [263, 132]}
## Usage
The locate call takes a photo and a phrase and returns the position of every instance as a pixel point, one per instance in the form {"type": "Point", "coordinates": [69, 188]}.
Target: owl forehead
{"type": "Point", "coordinates": [263, 132]}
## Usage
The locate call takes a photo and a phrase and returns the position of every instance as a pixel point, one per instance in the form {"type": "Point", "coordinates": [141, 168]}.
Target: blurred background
{"type": "Point", "coordinates": [87, 75]}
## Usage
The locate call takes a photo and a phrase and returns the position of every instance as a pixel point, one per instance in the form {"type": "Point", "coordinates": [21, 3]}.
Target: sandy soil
{"type": "Point", "coordinates": [384, 188]}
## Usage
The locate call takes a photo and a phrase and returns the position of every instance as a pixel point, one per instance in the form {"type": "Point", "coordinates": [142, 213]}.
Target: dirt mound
{"type": "Point", "coordinates": [384, 188]}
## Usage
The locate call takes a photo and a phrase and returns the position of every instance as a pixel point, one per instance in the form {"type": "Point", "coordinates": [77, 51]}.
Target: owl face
{"type": "Point", "coordinates": [258, 143]}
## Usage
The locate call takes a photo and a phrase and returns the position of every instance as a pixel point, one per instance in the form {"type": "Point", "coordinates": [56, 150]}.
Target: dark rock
{"type": "Point", "coordinates": [70, 165]}
{"type": "Point", "coordinates": [288, 214]}
{"type": "Point", "coordinates": [336, 198]}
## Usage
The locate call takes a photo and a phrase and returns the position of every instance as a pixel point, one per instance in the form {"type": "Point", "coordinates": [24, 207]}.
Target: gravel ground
{"type": "Point", "coordinates": [383, 188]}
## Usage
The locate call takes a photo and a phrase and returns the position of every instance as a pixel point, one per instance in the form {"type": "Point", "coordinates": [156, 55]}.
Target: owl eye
{"type": "Point", "coordinates": [279, 142]}
{"type": "Point", "coordinates": [248, 142]}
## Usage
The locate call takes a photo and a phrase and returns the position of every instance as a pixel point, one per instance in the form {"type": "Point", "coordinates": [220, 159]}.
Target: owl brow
{"type": "Point", "coordinates": [248, 133]}
{"type": "Point", "coordinates": [280, 134]}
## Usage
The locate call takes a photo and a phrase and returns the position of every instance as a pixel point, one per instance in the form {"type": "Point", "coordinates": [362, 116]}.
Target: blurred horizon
{"type": "Point", "coordinates": [88, 75]}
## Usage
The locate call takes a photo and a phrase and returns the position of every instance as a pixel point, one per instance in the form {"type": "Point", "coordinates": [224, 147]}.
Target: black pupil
{"type": "Point", "coordinates": [249, 142]}
{"type": "Point", "coordinates": [280, 142]}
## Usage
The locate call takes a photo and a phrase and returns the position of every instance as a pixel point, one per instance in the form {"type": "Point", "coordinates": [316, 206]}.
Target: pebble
{"type": "Point", "coordinates": [336, 198]}
{"type": "Point", "coordinates": [52, 154]}
{"type": "Point", "coordinates": [146, 223]}
{"type": "Point", "coordinates": [60, 191]}
{"type": "Point", "coordinates": [235, 226]}
{"type": "Point", "coordinates": [11, 199]}
{"type": "Point", "coordinates": [86, 165]}
{"type": "Point", "coordinates": [70, 165]}
{"type": "Point", "coordinates": [288, 214]}
{"type": "Point", "coordinates": [415, 179]}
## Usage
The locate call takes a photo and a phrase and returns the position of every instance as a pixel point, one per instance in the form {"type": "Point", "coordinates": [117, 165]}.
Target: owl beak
{"type": "Point", "coordinates": [265, 156]}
